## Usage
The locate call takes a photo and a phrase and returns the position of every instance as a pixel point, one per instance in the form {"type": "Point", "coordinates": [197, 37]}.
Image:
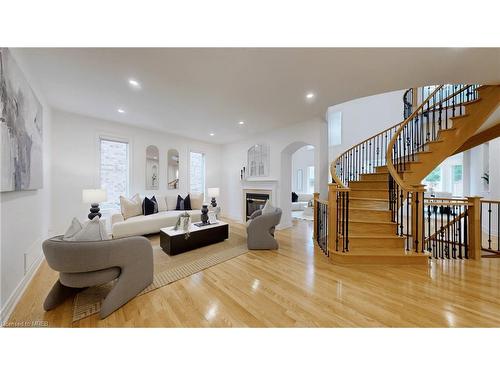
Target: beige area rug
{"type": "Point", "coordinates": [167, 269]}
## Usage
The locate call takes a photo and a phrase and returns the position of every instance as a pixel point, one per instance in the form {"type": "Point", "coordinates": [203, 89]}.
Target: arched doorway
{"type": "Point", "coordinates": [287, 175]}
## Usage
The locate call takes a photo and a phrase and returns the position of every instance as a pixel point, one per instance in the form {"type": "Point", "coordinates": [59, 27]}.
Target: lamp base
{"type": "Point", "coordinates": [94, 211]}
{"type": "Point", "coordinates": [213, 202]}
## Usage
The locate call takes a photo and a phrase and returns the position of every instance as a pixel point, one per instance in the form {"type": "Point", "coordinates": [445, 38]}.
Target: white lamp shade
{"type": "Point", "coordinates": [213, 192]}
{"type": "Point", "coordinates": [94, 195]}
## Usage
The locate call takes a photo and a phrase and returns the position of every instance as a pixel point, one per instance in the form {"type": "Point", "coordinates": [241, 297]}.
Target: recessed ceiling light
{"type": "Point", "coordinates": [120, 110]}
{"type": "Point", "coordinates": [212, 134]}
{"type": "Point", "coordinates": [310, 95]}
{"type": "Point", "coordinates": [241, 122]}
{"type": "Point", "coordinates": [134, 83]}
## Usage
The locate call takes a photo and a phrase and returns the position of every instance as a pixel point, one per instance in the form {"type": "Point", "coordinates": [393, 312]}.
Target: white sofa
{"type": "Point", "coordinates": [149, 224]}
{"type": "Point", "coordinates": [302, 202]}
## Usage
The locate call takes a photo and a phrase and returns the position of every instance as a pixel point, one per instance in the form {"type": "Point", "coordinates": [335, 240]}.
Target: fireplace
{"type": "Point", "coordinates": [254, 202]}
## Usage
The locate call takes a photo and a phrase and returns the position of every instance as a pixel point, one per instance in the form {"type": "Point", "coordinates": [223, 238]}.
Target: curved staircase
{"type": "Point", "coordinates": [375, 208]}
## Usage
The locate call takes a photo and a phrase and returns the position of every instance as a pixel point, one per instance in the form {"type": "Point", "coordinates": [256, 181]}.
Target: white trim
{"type": "Point", "coordinates": [16, 295]}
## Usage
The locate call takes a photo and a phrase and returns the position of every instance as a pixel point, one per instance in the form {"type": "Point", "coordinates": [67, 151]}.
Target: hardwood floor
{"type": "Point", "coordinates": [297, 286]}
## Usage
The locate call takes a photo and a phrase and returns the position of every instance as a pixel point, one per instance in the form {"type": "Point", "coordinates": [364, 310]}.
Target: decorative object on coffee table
{"type": "Point", "coordinates": [94, 197]}
{"type": "Point", "coordinates": [213, 193]}
{"type": "Point", "coordinates": [183, 223]}
{"type": "Point", "coordinates": [204, 214]}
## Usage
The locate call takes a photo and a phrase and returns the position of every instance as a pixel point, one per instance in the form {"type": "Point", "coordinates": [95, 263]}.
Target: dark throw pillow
{"type": "Point", "coordinates": [148, 206]}
{"type": "Point", "coordinates": [156, 204]}
{"type": "Point", "coordinates": [183, 204]}
{"type": "Point", "coordinates": [295, 197]}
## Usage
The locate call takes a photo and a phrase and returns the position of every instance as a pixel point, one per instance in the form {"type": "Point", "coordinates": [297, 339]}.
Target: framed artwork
{"type": "Point", "coordinates": [21, 126]}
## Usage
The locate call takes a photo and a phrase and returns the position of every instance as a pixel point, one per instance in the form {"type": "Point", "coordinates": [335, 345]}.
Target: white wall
{"type": "Point", "coordinates": [364, 117]}
{"type": "Point", "coordinates": [75, 161]}
{"type": "Point", "coordinates": [24, 219]}
{"type": "Point", "coordinates": [234, 157]}
{"type": "Point", "coordinates": [301, 159]}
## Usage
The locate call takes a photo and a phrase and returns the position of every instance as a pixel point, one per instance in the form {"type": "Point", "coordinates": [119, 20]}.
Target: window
{"type": "Point", "coordinates": [457, 180]}
{"type": "Point", "coordinates": [300, 179]}
{"type": "Point", "coordinates": [433, 180]}
{"type": "Point", "coordinates": [114, 171]}
{"type": "Point", "coordinates": [310, 179]}
{"type": "Point", "coordinates": [196, 172]}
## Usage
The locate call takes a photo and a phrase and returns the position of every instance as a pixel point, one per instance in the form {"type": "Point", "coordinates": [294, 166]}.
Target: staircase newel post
{"type": "Point", "coordinates": [315, 217]}
{"type": "Point", "coordinates": [474, 228]}
{"type": "Point", "coordinates": [332, 217]}
{"type": "Point", "coordinates": [417, 218]}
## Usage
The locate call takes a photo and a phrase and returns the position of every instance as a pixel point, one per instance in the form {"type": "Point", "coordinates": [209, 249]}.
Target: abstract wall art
{"type": "Point", "coordinates": [21, 129]}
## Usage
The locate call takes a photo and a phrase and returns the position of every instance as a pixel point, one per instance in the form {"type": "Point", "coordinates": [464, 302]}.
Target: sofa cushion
{"type": "Point", "coordinates": [73, 229]}
{"type": "Point", "coordinates": [304, 197]}
{"type": "Point", "coordinates": [141, 225]}
{"type": "Point", "coordinates": [183, 203]}
{"type": "Point", "coordinates": [92, 230]}
{"type": "Point", "coordinates": [171, 200]}
{"type": "Point", "coordinates": [196, 200]}
{"type": "Point", "coordinates": [162, 203]}
{"type": "Point", "coordinates": [131, 207]}
{"type": "Point", "coordinates": [268, 208]}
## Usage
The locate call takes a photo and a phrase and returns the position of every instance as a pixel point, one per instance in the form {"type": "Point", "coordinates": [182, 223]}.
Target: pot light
{"type": "Point", "coordinates": [120, 110]}
{"type": "Point", "coordinates": [309, 95]}
{"type": "Point", "coordinates": [212, 134]}
{"type": "Point", "coordinates": [241, 122]}
{"type": "Point", "coordinates": [134, 83]}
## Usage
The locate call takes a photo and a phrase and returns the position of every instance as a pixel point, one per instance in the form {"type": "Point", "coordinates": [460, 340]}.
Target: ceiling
{"type": "Point", "coordinates": [198, 91]}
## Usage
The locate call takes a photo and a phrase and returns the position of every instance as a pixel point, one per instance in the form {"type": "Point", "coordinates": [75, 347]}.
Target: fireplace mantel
{"type": "Point", "coordinates": [264, 186]}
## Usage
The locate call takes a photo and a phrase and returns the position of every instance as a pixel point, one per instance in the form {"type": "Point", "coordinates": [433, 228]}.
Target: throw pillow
{"type": "Point", "coordinates": [162, 203]}
{"type": "Point", "coordinates": [156, 204]}
{"type": "Point", "coordinates": [131, 207]}
{"type": "Point", "coordinates": [183, 203]}
{"type": "Point", "coordinates": [295, 197]}
{"type": "Point", "coordinates": [148, 206]}
{"type": "Point", "coordinates": [73, 229]}
{"type": "Point", "coordinates": [92, 230]}
{"type": "Point", "coordinates": [171, 202]}
{"type": "Point", "coordinates": [268, 208]}
{"type": "Point", "coordinates": [196, 200]}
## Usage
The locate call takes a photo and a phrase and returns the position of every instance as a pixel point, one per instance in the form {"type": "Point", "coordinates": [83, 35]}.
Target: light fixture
{"type": "Point", "coordinates": [120, 110]}
{"type": "Point", "coordinates": [212, 134]}
{"type": "Point", "coordinates": [134, 83]}
{"type": "Point", "coordinates": [309, 95]}
{"type": "Point", "coordinates": [241, 122]}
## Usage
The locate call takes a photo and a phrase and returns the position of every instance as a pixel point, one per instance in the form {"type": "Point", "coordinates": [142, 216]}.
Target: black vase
{"type": "Point", "coordinates": [204, 214]}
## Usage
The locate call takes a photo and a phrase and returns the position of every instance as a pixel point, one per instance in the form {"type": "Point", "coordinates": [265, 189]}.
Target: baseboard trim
{"type": "Point", "coordinates": [16, 295]}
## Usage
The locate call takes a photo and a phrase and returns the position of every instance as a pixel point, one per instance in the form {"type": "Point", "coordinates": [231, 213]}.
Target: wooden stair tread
{"type": "Point", "coordinates": [369, 199]}
{"type": "Point", "coordinates": [458, 116]}
{"type": "Point", "coordinates": [371, 221]}
{"type": "Point", "coordinates": [383, 252]}
{"type": "Point", "coordinates": [374, 236]}
{"type": "Point", "coordinates": [367, 189]}
{"type": "Point", "coordinates": [369, 209]}
{"type": "Point", "coordinates": [472, 101]}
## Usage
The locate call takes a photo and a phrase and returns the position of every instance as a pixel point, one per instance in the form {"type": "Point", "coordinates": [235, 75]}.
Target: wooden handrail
{"type": "Point", "coordinates": [388, 156]}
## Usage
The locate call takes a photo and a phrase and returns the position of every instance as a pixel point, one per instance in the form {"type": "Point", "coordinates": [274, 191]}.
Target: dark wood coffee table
{"type": "Point", "coordinates": [174, 242]}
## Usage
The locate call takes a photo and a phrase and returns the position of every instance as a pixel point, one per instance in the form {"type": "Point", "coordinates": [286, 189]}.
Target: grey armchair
{"type": "Point", "coordinates": [91, 263]}
{"type": "Point", "coordinates": [260, 230]}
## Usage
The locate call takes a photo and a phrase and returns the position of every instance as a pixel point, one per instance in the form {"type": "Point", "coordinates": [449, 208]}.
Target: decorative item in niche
{"type": "Point", "coordinates": [152, 167]}
{"type": "Point", "coordinates": [258, 161]}
{"type": "Point", "coordinates": [173, 169]}
{"type": "Point", "coordinates": [21, 129]}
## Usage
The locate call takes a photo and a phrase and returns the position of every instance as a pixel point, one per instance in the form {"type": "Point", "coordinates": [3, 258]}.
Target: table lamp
{"type": "Point", "coordinates": [213, 193]}
{"type": "Point", "coordinates": [94, 197]}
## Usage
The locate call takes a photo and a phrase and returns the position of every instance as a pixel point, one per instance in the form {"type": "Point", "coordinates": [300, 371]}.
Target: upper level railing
{"type": "Point", "coordinates": [412, 137]}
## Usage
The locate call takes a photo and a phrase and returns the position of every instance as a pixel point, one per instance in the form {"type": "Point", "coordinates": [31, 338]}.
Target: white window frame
{"type": "Point", "coordinates": [112, 138]}
{"type": "Point", "coordinates": [190, 151]}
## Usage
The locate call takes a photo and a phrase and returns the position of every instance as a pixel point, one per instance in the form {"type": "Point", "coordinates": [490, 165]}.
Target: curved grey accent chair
{"type": "Point", "coordinates": [260, 230]}
{"type": "Point", "coordinates": [91, 263]}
